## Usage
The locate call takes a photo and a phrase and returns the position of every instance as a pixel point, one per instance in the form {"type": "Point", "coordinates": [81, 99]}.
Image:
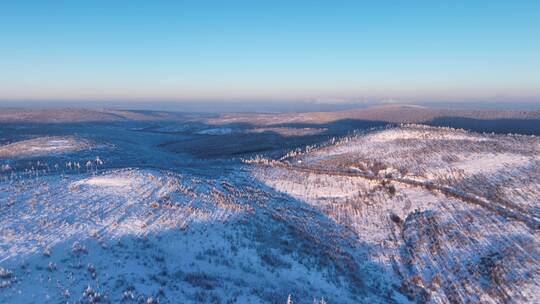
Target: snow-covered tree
{"type": "Point", "coordinates": [289, 300]}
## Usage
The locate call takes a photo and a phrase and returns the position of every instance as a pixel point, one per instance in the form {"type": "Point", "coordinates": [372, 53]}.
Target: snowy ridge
{"type": "Point", "coordinates": [437, 206]}
{"type": "Point", "coordinates": [150, 235]}
{"type": "Point", "coordinates": [112, 205]}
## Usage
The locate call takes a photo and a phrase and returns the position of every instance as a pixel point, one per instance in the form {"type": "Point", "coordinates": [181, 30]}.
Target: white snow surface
{"type": "Point", "coordinates": [111, 204]}
{"type": "Point", "coordinates": [360, 220]}
{"type": "Point", "coordinates": [107, 181]}
{"type": "Point", "coordinates": [42, 146]}
{"type": "Point", "coordinates": [441, 248]}
{"type": "Point", "coordinates": [142, 234]}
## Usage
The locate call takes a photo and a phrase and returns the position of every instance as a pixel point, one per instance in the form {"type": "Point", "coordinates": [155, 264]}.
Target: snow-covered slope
{"type": "Point", "coordinates": [397, 215]}
{"type": "Point", "coordinates": [452, 215]}
{"type": "Point", "coordinates": [150, 235]}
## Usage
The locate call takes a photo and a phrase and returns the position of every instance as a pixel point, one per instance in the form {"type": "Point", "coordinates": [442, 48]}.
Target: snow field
{"type": "Point", "coordinates": [437, 248]}
{"type": "Point", "coordinates": [42, 146]}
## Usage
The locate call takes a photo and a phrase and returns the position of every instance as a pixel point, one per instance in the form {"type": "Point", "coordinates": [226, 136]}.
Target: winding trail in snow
{"type": "Point", "coordinates": [512, 212]}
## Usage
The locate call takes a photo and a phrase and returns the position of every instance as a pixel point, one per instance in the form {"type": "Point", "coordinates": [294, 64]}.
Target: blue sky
{"type": "Point", "coordinates": [270, 50]}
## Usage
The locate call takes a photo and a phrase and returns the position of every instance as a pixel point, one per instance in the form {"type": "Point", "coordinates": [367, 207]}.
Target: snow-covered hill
{"type": "Point", "coordinates": [454, 216]}
{"type": "Point", "coordinates": [147, 235]}
{"type": "Point", "coordinates": [42, 146]}
{"type": "Point", "coordinates": [396, 215]}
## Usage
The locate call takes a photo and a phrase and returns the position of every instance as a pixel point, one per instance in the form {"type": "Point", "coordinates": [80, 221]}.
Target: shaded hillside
{"type": "Point", "coordinates": [391, 114]}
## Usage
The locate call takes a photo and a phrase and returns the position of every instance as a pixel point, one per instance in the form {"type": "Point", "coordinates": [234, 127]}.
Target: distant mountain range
{"type": "Point", "coordinates": [386, 113]}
